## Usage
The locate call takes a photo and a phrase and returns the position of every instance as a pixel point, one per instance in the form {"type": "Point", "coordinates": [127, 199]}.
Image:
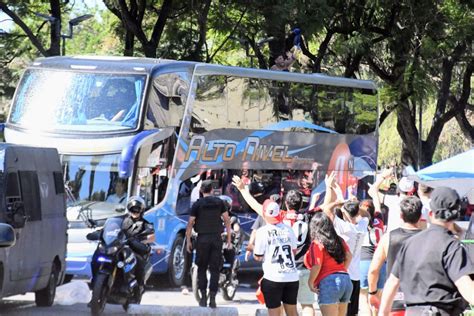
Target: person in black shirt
{"type": "Point", "coordinates": [140, 233]}
{"type": "Point", "coordinates": [436, 278]}
{"type": "Point", "coordinates": [389, 246]}
{"type": "Point", "coordinates": [206, 217]}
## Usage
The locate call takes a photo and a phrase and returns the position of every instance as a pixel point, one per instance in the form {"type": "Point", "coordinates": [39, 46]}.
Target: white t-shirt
{"type": "Point", "coordinates": [276, 244]}
{"type": "Point", "coordinates": [393, 204]}
{"type": "Point", "coordinates": [353, 235]}
{"type": "Point", "coordinates": [425, 210]}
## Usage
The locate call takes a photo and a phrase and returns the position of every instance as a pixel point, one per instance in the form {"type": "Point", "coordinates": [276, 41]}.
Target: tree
{"type": "Point", "coordinates": [134, 20]}
{"type": "Point", "coordinates": [21, 12]}
{"type": "Point", "coordinates": [419, 59]}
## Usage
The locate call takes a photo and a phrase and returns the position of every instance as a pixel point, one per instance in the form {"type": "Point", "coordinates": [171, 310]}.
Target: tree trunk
{"type": "Point", "coordinates": [129, 44]}
{"type": "Point", "coordinates": [55, 35]}
{"type": "Point", "coordinates": [274, 26]}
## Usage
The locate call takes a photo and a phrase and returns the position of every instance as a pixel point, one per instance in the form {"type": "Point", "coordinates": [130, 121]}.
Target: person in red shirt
{"type": "Point", "coordinates": [328, 259]}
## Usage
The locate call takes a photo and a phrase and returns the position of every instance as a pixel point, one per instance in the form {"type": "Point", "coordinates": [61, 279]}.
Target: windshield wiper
{"type": "Point", "coordinates": [85, 214]}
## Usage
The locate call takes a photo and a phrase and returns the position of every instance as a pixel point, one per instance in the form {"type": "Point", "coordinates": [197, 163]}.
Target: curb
{"type": "Point", "coordinates": [180, 310]}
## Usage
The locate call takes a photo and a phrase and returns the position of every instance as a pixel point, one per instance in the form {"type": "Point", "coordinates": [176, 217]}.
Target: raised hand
{"type": "Point", "coordinates": [238, 183]}
{"type": "Point", "coordinates": [387, 173]}
{"type": "Point", "coordinates": [329, 179]}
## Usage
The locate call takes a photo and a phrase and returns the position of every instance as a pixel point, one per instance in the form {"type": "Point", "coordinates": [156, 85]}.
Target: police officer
{"type": "Point", "coordinates": [206, 217]}
{"type": "Point", "coordinates": [140, 233]}
{"type": "Point", "coordinates": [433, 268]}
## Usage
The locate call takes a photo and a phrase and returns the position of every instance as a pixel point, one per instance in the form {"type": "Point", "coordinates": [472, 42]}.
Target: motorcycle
{"type": "Point", "coordinates": [230, 261]}
{"type": "Point", "coordinates": [114, 279]}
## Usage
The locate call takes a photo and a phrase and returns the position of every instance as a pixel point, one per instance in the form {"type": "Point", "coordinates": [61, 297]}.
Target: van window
{"type": "Point", "coordinates": [58, 182]}
{"type": "Point", "coordinates": [13, 187]}
{"type": "Point", "coordinates": [31, 196]}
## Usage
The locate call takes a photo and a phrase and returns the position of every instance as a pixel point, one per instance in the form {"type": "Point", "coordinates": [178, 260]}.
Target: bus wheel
{"type": "Point", "coordinates": [45, 297]}
{"type": "Point", "coordinates": [178, 262]}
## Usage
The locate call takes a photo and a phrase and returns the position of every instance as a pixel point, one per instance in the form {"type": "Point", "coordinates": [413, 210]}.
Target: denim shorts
{"type": "Point", "coordinates": [364, 272]}
{"type": "Point", "coordinates": [335, 288]}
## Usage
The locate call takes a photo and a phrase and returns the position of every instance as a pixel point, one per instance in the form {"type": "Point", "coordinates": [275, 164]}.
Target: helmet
{"type": "Point", "coordinates": [136, 204]}
{"type": "Point", "coordinates": [227, 201]}
{"type": "Point", "coordinates": [256, 188]}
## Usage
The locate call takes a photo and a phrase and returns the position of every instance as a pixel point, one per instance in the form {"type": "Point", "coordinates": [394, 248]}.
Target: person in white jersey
{"type": "Point", "coordinates": [275, 245]}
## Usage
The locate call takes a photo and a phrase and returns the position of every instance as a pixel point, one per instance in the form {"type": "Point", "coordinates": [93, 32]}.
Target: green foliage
{"type": "Point", "coordinates": [403, 45]}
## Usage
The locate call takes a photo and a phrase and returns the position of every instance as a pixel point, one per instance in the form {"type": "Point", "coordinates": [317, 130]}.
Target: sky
{"type": "Point", "coordinates": [6, 23]}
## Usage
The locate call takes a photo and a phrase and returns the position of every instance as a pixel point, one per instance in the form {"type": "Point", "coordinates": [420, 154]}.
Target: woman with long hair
{"type": "Point", "coordinates": [328, 259]}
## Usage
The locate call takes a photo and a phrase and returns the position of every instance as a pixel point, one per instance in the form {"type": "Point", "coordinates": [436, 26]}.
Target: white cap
{"type": "Point", "coordinates": [406, 185]}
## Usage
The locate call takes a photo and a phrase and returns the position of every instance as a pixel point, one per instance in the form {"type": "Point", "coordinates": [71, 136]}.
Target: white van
{"type": "Point", "coordinates": [32, 203]}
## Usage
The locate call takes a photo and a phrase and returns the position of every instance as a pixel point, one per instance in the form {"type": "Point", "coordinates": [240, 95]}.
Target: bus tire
{"type": "Point", "coordinates": [45, 297]}
{"type": "Point", "coordinates": [178, 262]}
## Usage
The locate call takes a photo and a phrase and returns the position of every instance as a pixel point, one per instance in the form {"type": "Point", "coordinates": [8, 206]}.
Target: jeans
{"type": "Point", "coordinates": [334, 289]}
{"type": "Point", "coordinates": [208, 256]}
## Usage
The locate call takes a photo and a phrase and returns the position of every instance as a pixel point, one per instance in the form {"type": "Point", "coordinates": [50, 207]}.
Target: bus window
{"type": "Point", "coordinates": [152, 174]}
{"type": "Point", "coordinates": [210, 105]}
{"type": "Point", "coordinates": [250, 103]}
{"type": "Point", "coordinates": [167, 100]}
{"type": "Point", "coordinates": [77, 101]}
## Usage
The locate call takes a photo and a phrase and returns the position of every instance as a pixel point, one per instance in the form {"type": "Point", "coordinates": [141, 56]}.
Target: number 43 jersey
{"type": "Point", "coordinates": [276, 243]}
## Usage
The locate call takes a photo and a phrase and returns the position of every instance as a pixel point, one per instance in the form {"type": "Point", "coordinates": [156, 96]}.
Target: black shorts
{"type": "Point", "coordinates": [277, 292]}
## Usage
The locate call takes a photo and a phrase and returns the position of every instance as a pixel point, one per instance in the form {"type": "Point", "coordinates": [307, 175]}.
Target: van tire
{"type": "Point", "coordinates": [45, 297]}
{"type": "Point", "coordinates": [178, 262]}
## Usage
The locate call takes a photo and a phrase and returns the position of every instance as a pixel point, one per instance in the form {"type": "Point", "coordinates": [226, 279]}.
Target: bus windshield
{"type": "Point", "coordinates": [57, 100]}
{"type": "Point", "coordinates": [94, 190]}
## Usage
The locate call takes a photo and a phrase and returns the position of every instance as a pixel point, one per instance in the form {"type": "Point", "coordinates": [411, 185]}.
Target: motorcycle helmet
{"type": "Point", "coordinates": [136, 204]}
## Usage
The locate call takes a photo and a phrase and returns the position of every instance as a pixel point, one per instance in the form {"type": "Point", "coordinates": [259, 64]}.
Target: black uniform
{"type": "Point", "coordinates": [134, 227]}
{"type": "Point", "coordinates": [208, 225]}
{"type": "Point", "coordinates": [397, 238]}
{"type": "Point", "coordinates": [427, 265]}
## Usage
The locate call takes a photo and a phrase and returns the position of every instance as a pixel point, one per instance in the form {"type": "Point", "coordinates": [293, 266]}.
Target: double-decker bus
{"type": "Point", "coordinates": [156, 128]}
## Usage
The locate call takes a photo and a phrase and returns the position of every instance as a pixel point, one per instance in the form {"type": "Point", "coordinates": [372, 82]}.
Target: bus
{"type": "Point", "coordinates": [156, 128]}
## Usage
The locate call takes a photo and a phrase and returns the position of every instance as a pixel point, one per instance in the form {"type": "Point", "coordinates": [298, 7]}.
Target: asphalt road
{"type": "Point", "coordinates": [161, 295]}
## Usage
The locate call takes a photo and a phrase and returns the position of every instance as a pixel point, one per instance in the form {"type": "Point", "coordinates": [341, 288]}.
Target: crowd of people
{"type": "Point", "coordinates": [338, 251]}
{"type": "Point", "coordinates": [405, 258]}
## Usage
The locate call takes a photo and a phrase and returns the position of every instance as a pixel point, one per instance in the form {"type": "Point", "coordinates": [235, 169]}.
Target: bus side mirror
{"type": "Point", "coordinates": [7, 236]}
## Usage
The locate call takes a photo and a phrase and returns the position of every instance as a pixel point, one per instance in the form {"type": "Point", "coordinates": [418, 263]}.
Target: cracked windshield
{"type": "Point", "coordinates": [78, 101]}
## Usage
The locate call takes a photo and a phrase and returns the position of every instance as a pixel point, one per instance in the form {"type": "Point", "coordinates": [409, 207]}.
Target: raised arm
{"type": "Point", "coordinates": [239, 184]}
{"type": "Point", "coordinates": [374, 189]}
{"type": "Point", "coordinates": [329, 196]}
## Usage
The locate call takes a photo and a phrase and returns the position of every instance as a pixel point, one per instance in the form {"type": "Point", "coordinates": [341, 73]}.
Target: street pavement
{"type": "Point", "coordinates": [159, 299]}
{"type": "Point", "coordinates": [154, 301]}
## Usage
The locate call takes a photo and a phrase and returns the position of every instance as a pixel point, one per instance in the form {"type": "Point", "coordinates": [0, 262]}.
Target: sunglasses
{"type": "Point", "coordinates": [134, 210]}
